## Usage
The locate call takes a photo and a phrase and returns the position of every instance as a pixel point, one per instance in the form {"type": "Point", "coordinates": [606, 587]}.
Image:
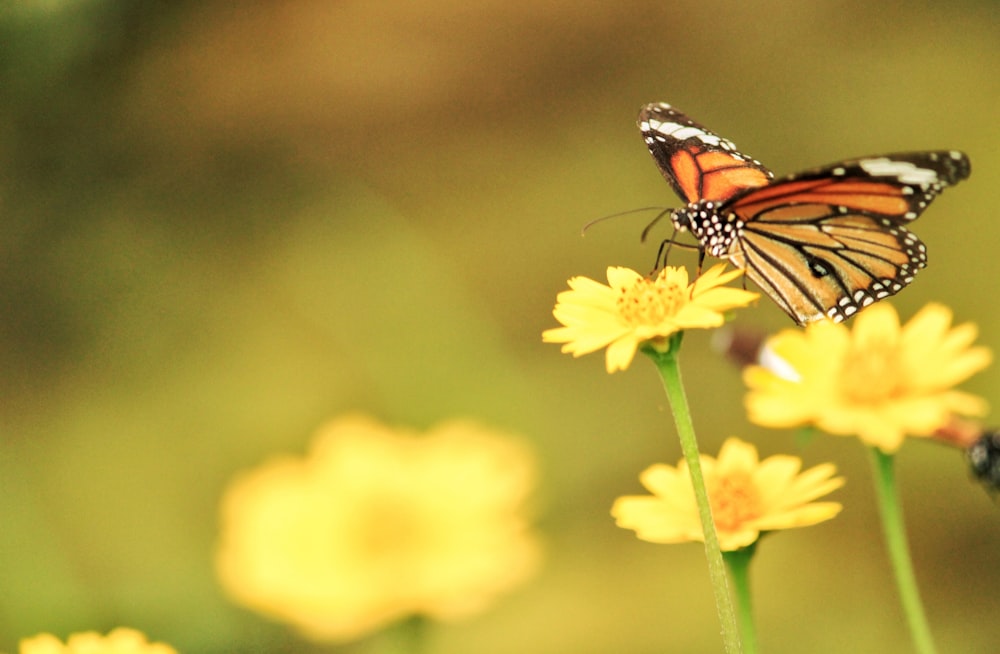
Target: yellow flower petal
{"type": "Point", "coordinates": [621, 277]}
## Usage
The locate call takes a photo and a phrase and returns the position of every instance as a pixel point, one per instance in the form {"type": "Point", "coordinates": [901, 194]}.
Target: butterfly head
{"type": "Point", "coordinates": [714, 228]}
{"type": "Point", "coordinates": [681, 219]}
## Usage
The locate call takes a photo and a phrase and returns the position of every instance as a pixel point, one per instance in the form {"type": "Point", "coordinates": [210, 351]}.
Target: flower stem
{"type": "Point", "coordinates": [894, 530]}
{"type": "Point", "coordinates": [405, 637]}
{"type": "Point", "coordinates": [670, 373]}
{"type": "Point", "coordinates": [738, 563]}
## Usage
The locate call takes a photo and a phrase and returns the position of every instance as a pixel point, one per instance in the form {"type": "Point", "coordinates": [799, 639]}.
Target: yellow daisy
{"type": "Point", "coordinates": [880, 381]}
{"type": "Point", "coordinates": [376, 524]}
{"type": "Point", "coordinates": [632, 310]}
{"type": "Point", "coordinates": [118, 641]}
{"type": "Point", "coordinates": [748, 497]}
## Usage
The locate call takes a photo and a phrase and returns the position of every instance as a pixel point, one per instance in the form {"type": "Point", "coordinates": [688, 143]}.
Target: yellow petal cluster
{"type": "Point", "coordinates": [632, 309]}
{"type": "Point", "coordinates": [376, 524]}
{"type": "Point", "coordinates": [118, 641]}
{"type": "Point", "coordinates": [880, 381]}
{"type": "Point", "coordinates": [748, 497]}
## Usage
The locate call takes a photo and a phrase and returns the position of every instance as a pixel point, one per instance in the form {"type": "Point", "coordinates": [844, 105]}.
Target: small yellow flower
{"type": "Point", "coordinates": [634, 309]}
{"type": "Point", "coordinates": [748, 497]}
{"type": "Point", "coordinates": [879, 381]}
{"type": "Point", "coordinates": [119, 641]}
{"type": "Point", "coordinates": [376, 524]}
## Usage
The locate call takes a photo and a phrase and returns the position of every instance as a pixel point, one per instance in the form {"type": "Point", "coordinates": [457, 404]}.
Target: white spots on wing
{"type": "Point", "coordinates": [956, 155]}
{"type": "Point", "coordinates": [838, 171]}
{"type": "Point", "coordinates": [904, 171]}
{"type": "Point", "coordinates": [682, 132]}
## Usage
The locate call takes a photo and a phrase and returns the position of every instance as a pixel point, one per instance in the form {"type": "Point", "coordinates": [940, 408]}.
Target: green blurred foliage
{"type": "Point", "coordinates": [225, 223]}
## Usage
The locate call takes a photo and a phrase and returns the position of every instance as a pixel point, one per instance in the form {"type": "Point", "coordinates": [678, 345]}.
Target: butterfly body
{"type": "Point", "coordinates": [717, 231]}
{"type": "Point", "coordinates": [824, 243]}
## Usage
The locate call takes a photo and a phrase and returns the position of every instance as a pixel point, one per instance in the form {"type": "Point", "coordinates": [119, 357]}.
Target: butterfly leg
{"type": "Point", "coordinates": [664, 252]}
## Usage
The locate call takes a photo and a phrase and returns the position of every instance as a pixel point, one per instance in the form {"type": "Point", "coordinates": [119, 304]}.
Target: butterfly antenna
{"type": "Point", "coordinates": [659, 217]}
{"type": "Point", "coordinates": [625, 213]}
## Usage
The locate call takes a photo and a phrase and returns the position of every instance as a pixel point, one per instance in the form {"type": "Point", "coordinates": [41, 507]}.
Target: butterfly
{"type": "Point", "coordinates": [824, 243]}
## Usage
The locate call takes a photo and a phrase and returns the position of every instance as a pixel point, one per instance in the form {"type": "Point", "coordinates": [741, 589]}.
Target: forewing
{"type": "Point", "coordinates": [894, 186]}
{"type": "Point", "coordinates": [698, 164]}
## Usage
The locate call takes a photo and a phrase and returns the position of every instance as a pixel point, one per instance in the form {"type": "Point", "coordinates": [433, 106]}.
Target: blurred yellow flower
{"type": "Point", "coordinates": [634, 309]}
{"type": "Point", "coordinates": [879, 381]}
{"type": "Point", "coordinates": [118, 641]}
{"type": "Point", "coordinates": [377, 524]}
{"type": "Point", "coordinates": [748, 497]}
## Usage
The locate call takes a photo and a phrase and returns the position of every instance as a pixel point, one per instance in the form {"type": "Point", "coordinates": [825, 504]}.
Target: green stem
{"type": "Point", "coordinates": [894, 530]}
{"type": "Point", "coordinates": [738, 563]}
{"type": "Point", "coordinates": [670, 373]}
{"type": "Point", "coordinates": [405, 637]}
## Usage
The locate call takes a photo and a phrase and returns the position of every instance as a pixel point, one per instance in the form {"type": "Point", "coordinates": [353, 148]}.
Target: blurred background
{"type": "Point", "coordinates": [222, 224]}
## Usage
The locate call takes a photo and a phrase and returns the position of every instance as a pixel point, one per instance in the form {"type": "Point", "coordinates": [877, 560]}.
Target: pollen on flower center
{"type": "Point", "coordinates": [650, 302]}
{"type": "Point", "coordinates": [735, 501]}
{"type": "Point", "coordinates": [871, 375]}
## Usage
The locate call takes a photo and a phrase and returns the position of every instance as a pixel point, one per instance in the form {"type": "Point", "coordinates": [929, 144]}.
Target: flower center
{"type": "Point", "coordinates": [387, 529]}
{"type": "Point", "coordinates": [735, 501]}
{"type": "Point", "coordinates": [871, 374]}
{"type": "Point", "coordinates": [651, 301]}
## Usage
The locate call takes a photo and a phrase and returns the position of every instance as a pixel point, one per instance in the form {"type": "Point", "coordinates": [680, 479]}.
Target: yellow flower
{"type": "Point", "coordinates": [376, 524]}
{"type": "Point", "coordinates": [748, 497]}
{"type": "Point", "coordinates": [879, 381]}
{"type": "Point", "coordinates": [634, 309]}
{"type": "Point", "coordinates": [119, 641]}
